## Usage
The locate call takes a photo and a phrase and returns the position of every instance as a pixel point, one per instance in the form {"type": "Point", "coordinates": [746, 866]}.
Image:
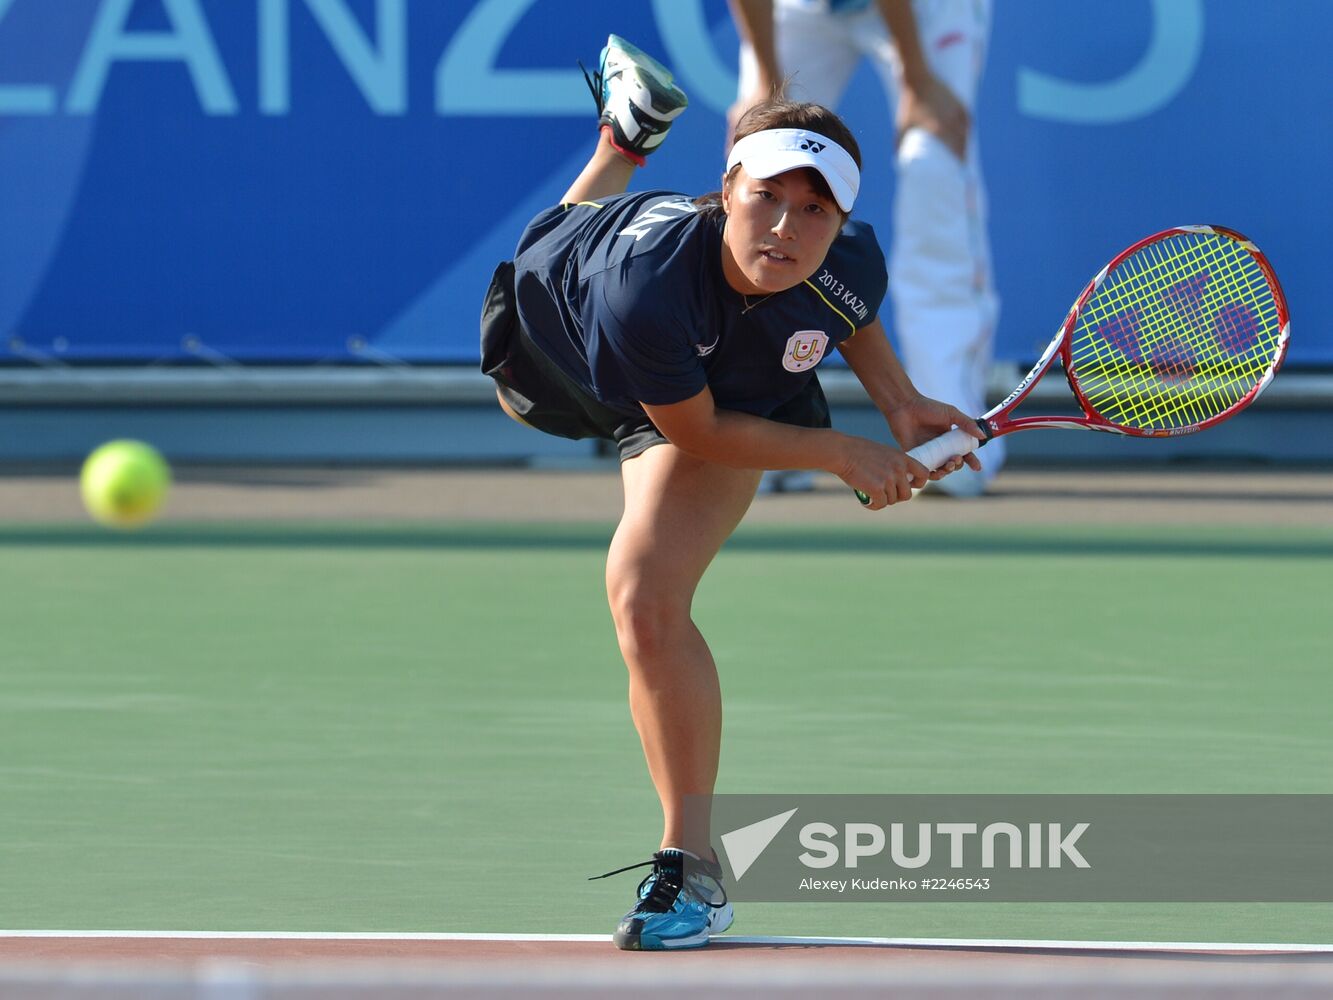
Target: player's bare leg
{"type": "Point", "coordinates": [637, 101]}
{"type": "Point", "coordinates": [607, 173]}
{"type": "Point", "coordinates": [678, 512]}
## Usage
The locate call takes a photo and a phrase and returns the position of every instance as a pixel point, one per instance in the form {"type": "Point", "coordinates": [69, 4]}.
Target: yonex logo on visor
{"type": "Point", "coordinates": [777, 150]}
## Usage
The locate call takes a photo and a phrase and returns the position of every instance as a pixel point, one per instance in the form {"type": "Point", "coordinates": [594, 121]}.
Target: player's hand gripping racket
{"type": "Point", "coordinates": [1180, 331]}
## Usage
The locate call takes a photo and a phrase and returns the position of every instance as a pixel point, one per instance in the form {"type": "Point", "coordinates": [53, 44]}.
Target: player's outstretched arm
{"type": "Point", "coordinates": [696, 426]}
{"type": "Point", "coordinates": [912, 417]}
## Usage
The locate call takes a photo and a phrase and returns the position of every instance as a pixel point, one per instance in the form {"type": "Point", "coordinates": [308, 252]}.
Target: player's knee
{"type": "Point", "coordinates": [648, 621]}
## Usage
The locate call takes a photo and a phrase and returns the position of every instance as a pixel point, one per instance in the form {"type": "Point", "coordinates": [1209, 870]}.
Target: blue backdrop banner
{"type": "Point", "coordinates": [334, 180]}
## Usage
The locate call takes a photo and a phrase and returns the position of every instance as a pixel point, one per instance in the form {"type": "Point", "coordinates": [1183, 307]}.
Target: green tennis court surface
{"type": "Point", "coordinates": [423, 728]}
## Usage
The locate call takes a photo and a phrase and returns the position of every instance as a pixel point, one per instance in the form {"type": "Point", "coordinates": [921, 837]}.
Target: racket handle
{"type": "Point", "coordinates": [937, 451]}
{"type": "Point", "coordinates": [933, 453]}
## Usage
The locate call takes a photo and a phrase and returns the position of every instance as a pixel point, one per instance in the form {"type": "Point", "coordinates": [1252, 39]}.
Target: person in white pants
{"type": "Point", "coordinates": [929, 56]}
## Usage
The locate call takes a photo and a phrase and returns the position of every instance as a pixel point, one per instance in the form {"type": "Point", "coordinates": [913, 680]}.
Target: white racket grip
{"type": "Point", "coordinates": [937, 451]}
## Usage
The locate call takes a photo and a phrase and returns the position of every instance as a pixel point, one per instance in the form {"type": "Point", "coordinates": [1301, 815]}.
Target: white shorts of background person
{"type": "Point", "coordinates": [945, 306]}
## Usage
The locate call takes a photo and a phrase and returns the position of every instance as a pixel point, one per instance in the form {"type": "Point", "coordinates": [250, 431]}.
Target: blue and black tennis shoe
{"type": "Point", "coordinates": [681, 903]}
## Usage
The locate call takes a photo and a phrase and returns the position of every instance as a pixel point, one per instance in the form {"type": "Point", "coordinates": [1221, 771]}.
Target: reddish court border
{"type": "Point", "coordinates": [42, 965]}
{"type": "Point", "coordinates": [261, 947]}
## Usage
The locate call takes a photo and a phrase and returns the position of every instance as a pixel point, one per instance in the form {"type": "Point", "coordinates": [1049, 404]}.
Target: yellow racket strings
{"type": "Point", "coordinates": [1178, 333]}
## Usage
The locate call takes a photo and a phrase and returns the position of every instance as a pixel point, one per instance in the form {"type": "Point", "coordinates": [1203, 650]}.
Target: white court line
{"type": "Point", "coordinates": [885, 942]}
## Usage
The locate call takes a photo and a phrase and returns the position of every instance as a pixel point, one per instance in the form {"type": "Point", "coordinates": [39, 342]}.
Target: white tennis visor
{"type": "Point", "coordinates": [777, 150]}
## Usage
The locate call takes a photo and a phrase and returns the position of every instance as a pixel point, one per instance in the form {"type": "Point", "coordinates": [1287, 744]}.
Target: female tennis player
{"type": "Point", "coordinates": [688, 331]}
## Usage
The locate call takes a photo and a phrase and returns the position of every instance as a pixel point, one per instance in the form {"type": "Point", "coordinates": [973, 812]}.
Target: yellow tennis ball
{"type": "Point", "coordinates": [124, 483]}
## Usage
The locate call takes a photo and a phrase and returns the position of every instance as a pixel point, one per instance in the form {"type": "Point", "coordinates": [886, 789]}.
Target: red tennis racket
{"type": "Point", "coordinates": [1180, 331]}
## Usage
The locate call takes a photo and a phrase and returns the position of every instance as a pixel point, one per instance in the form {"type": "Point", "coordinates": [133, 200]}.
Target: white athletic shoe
{"type": "Point", "coordinates": [637, 98]}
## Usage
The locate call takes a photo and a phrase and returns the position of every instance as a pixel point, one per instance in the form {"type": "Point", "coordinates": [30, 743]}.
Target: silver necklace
{"type": "Point", "coordinates": [750, 305]}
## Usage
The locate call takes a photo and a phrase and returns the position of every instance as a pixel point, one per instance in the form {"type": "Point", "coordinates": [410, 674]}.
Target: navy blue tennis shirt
{"type": "Point", "coordinates": [627, 297]}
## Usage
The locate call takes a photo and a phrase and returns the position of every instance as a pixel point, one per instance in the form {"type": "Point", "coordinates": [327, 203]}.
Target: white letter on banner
{"type": "Point", "coordinates": [899, 855]}
{"type": "Point", "coordinates": [1065, 845]}
{"type": "Point", "coordinates": [188, 41]}
{"type": "Point", "coordinates": [826, 851]}
{"type": "Point", "coordinates": [379, 73]}
{"type": "Point", "coordinates": [275, 59]}
{"type": "Point", "coordinates": [988, 836]}
{"type": "Point", "coordinates": [16, 99]}
{"type": "Point", "coordinates": [956, 832]}
{"type": "Point", "coordinates": [1173, 52]}
{"type": "Point", "coordinates": [691, 55]}
{"type": "Point", "coordinates": [467, 82]}
{"type": "Point", "coordinates": [855, 848]}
